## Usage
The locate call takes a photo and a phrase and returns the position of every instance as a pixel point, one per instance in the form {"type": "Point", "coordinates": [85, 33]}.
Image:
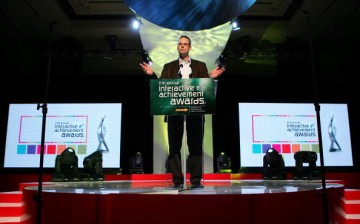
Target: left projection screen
{"type": "Point", "coordinates": [85, 127]}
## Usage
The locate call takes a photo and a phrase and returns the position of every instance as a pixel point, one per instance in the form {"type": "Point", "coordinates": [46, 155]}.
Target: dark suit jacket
{"type": "Point", "coordinates": [171, 70]}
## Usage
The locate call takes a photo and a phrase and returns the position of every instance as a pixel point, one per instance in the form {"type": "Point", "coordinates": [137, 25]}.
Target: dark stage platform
{"type": "Point", "coordinates": [220, 201]}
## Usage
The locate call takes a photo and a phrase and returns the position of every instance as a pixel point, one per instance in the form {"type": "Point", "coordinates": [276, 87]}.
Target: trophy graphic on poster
{"type": "Point", "coordinates": [334, 145]}
{"type": "Point", "coordinates": [101, 131]}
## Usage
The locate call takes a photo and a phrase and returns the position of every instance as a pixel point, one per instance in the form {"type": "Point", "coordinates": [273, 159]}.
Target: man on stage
{"type": "Point", "coordinates": [185, 67]}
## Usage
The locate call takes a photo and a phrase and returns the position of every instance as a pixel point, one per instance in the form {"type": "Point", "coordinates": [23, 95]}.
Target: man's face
{"type": "Point", "coordinates": [183, 47]}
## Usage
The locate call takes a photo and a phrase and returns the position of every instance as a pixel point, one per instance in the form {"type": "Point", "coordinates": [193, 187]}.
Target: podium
{"type": "Point", "coordinates": [181, 97]}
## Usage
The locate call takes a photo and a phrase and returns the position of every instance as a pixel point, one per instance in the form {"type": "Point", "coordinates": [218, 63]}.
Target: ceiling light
{"type": "Point", "coordinates": [235, 24]}
{"type": "Point", "coordinates": [136, 23]}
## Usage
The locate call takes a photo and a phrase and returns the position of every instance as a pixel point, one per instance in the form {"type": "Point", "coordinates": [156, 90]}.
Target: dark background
{"type": "Point", "coordinates": [79, 73]}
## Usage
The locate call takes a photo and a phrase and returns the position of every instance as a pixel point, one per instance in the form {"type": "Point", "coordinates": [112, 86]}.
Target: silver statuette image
{"type": "Point", "coordinates": [334, 145]}
{"type": "Point", "coordinates": [101, 131]}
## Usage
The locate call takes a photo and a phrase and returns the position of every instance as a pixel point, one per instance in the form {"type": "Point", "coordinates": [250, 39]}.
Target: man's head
{"type": "Point", "coordinates": [184, 46]}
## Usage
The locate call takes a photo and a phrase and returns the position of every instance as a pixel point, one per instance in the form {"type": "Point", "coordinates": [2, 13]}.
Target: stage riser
{"type": "Point", "coordinates": [16, 209]}
{"type": "Point", "coordinates": [116, 208]}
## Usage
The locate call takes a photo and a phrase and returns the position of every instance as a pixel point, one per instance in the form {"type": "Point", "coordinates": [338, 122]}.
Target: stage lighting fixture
{"type": "Point", "coordinates": [136, 163]}
{"type": "Point", "coordinates": [235, 24]}
{"type": "Point", "coordinates": [308, 172]}
{"type": "Point", "coordinates": [223, 163]}
{"type": "Point", "coordinates": [93, 166]}
{"type": "Point", "coordinates": [66, 166]}
{"type": "Point", "coordinates": [145, 57]}
{"type": "Point", "coordinates": [273, 165]}
{"type": "Point", "coordinates": [221, 60]}
{"type": "Point", "coordinates": [136, 23]}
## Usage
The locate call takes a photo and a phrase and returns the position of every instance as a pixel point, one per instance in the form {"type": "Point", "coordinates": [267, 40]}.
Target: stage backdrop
{"type": "Point", "coordinates": [161, 44]}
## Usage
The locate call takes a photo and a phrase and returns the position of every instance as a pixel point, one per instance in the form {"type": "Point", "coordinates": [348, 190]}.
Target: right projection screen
{"type": "Point", "coordinates": [292, 127]}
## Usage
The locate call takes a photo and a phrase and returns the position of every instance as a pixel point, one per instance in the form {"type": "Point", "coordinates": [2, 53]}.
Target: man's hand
{"type": "Point", "coordinates": [216, 72]}
{"type": "Point", "coordinates": [146, 68]}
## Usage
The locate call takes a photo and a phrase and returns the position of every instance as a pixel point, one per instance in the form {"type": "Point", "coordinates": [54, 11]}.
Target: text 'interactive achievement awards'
{"type": "Point", "coordinates": [182, 96]}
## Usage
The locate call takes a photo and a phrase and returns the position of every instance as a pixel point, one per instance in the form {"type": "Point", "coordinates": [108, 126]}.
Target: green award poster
{"type": "Point", "coordinates": [182, 96]}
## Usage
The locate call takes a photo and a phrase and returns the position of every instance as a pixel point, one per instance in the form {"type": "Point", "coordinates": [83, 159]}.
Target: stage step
{"type": "Point", "coordinates": [350, 209]}
{"type": "Point", "coordinates": [12, 208]}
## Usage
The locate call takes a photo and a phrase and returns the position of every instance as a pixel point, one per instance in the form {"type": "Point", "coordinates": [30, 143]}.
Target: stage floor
{"type": "Point", "coordinates": [166, 187]}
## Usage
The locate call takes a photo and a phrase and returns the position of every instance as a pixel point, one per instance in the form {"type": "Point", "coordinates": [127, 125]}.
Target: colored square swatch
{"type": "Point", "coordinates": [51, 149]}
{"type": "Point", "coordinates": [38, 149]}
{"type": "Point", "coordinates": [21, 149]}
{"type": "Point", "coordinates": [265, 147]}
{"type": "Point", "coordinates": [305, 147]}
{"type": "Point", "coordinates": [82, 149]}
{"type": "Point", "coordinates": [256, 148]}
{"type": "Point", "coordinates": [295, 148]}
{"type": "Point", "coordinates": [315, 148]}
{"type": "Point", "coordinates": [286, 148]}
{"type": "Point", "coordinates": [277, 147]}
{"type": "Point", "coordinates": [31, 149]}
{"type": "Point", "coordinates": [60, 149]}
